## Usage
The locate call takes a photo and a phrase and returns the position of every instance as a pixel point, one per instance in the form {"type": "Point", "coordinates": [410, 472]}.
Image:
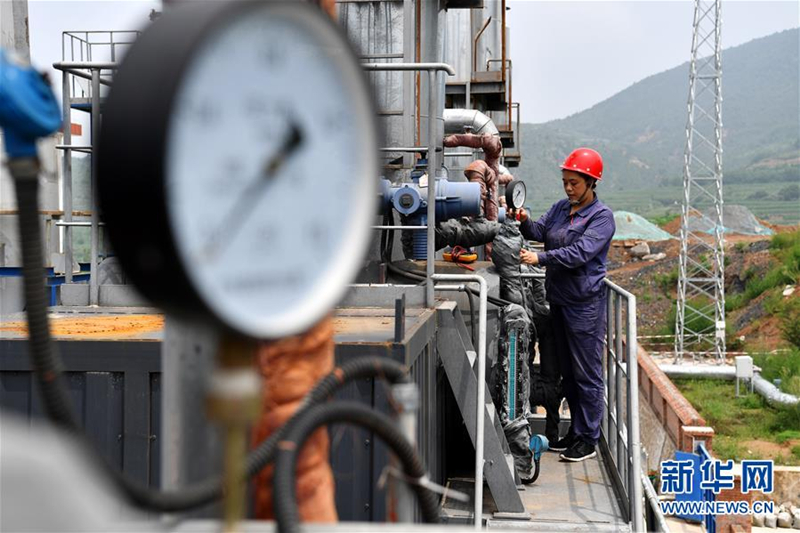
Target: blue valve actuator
{"type": "Point", "coordinates": [539, 444]}
{"type": "Point", "coordinates": [28, 107]}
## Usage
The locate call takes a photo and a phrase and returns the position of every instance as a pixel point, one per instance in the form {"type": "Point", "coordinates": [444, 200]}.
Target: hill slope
{"type": "Point", "coordinates": [641, 131]}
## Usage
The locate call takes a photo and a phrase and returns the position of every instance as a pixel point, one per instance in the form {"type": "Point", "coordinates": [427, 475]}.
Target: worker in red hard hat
{"type": "Point", "coordinates": [576, 233]}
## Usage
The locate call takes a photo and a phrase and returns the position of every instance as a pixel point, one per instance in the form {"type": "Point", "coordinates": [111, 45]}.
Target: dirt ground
{"type": "Point", "coordinates": [655, 285]}
{"type": "Point", "coordinates": [763, 448]}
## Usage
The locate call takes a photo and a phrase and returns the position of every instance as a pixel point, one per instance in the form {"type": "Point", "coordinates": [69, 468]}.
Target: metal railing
{"type": "Point", "coordinates": [434, 161]}
{"type": "Point", "coordinates": [481, 367]}
{"type": "Point", "coordinates": [620, 424]}
{"type": "Point", "coordinates": [93, 46]}
{"type": "Point", "coordinates": [91, 70]}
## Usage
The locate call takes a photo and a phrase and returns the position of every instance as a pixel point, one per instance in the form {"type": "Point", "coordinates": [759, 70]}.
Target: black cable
{"type": "Point", "coordinates": [287, 515]}
{"type": "Point", "coordinates": [533, 479]}
{"type": "Point", "coordinates": [365, 367]}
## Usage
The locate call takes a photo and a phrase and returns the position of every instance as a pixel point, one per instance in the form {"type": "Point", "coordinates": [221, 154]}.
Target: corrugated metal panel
{"type": "Point", "coordinates": [489, 45]}
{"type": "Point", "coordinates": [458, 44]}
{"type": "Point", "coordinates": [114, 388]}
{"type": "Point", "coordinates": [376, 29]}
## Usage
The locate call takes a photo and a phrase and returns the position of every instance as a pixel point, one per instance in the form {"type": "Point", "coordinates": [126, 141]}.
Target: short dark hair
{"type": "Point", "coordinates": [590, 181]}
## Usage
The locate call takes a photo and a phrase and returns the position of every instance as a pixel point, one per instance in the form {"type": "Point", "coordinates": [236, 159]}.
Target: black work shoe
{"type": "Point", "coordinates": [580, 451]}
{"type": "Point", "coordinates": [562, 445]}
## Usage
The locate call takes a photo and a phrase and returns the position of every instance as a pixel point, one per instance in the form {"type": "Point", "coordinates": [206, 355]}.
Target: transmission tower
{"type": "Point", "coordinates": [700, 317]}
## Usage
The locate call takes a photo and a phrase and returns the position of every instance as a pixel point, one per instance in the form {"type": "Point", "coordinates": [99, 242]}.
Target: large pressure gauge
{"type": "Point", "coordinates": [516, 193]}
{"type": "Point", "coordinates": [238, 164]}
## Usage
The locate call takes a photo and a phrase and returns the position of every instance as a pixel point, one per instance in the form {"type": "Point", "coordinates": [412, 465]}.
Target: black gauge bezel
{"type": "Point", "coordinates": [511, 189]}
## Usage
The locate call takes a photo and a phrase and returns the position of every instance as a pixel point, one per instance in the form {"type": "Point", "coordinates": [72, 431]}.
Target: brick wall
{"type": "Point", "coordinates": [734, 523]}
{"type": "Point", "coordinates": [682, 422]}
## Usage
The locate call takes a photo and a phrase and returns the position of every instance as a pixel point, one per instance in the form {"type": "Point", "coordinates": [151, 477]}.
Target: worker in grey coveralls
{"type": "Point", "coordinates": [576, 233]}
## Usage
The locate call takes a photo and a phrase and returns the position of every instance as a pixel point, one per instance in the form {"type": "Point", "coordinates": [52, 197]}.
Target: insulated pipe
{"type": "Point", "coordinates": [770, 392]}
{"type": "Point", "coordinates": [481, 400]}
{"type": "Point", "coordinates": [456, 119]}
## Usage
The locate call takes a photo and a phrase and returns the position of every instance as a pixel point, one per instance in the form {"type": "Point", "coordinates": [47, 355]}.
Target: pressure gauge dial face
{"type": "Point", "coordinates": [516, 193]}
{"type": "Point", "coordinates": [269, 167]}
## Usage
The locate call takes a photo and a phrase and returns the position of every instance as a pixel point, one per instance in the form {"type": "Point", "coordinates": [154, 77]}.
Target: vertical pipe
{"type": "Point", "coordinates": [433, 93]}
{"type": "Point", "coordinates": [409, 83]}
{"type": "Point", "coordinates": [93, 288]}
{"type": "Point", "coordinates": [611, 381]}
{"type": "Point", "coordinates": [621, 458]}
{"type": "Point", "coordinates": [608, 364]}
{"type": "Point", "coordinates": [503, 49]}
{"type": "Point", "coordinates": [481, 407]}
{"type": "Point", "coordinates": [634, 473]}
{"type": "Point", "coordinates": [510, 87]}
{"type": "Point", "coordinates": [407, 397]}
{"type": "Point", "coordinates": [481, 399]}
{"type": "Point", "coordinates": [67, 175]}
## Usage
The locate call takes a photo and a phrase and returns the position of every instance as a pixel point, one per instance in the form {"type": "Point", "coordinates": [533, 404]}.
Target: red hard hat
{"type": "Point", "coordinates": [586, 161]}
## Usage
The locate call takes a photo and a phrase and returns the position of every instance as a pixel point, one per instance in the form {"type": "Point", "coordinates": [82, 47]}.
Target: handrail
{"type": "Point", "coordinates": [660, 521]}
{"type": "Point", "coordinates": [433, 70]}
{"type": "Point", "coordinates": [409, 66]}
{"type": "Point", "coordinates": [481, 400]}
{"type": "Point", "coordinates": [620, 423]}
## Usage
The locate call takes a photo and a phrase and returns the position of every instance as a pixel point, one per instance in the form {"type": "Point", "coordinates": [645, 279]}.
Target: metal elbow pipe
{"type": "Point", "coordinates": [772, 394]}
{"type": "Point", "coordinates": [456, 119]}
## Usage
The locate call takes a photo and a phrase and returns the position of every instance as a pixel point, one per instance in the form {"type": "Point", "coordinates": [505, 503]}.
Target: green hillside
{"type": "Point", "coordinates": [641, 134]}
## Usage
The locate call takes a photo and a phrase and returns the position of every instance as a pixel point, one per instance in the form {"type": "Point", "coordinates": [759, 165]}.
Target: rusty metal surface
{"type": "Point", "coordinates": [373, 325]}
{"type": "Point", "coordinates": [94, 326]}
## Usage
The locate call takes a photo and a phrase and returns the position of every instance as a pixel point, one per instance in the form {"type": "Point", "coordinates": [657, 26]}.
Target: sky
{"type": "Point", "coordinates": [568, 55]}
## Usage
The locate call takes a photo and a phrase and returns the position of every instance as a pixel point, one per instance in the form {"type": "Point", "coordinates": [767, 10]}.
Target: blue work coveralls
{"type": "Point", "coordinates": [576, 247]}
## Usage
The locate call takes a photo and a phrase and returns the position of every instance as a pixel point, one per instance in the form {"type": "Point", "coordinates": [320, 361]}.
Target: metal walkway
{"type": "Point", "coordinates": [566, 497]}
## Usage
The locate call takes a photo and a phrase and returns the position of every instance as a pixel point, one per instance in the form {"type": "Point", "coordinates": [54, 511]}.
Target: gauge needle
{"type": "Point", "coordinates": [249, 197]}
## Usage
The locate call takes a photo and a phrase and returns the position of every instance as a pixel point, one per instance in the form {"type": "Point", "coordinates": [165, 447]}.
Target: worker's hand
{"type": "Point", "coordinates": [520, 214]}
{"type": "Point", "coordinates": [528, 257]}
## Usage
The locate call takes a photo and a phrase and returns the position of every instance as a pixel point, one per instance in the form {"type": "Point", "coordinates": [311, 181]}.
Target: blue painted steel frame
{"type": "Point", "coordinates": [53, 279]}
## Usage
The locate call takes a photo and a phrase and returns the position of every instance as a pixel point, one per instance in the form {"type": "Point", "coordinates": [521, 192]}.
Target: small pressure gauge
{"type": "Point", "coordinates": [238, 164]}
{"type": "Point", "coordinates": [515, 194]}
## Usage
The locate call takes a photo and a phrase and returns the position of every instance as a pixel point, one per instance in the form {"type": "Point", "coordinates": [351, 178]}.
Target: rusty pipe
{"type": "Point", "coordinates": [503, 44]}
{"type": "Point", "coordinates": [475, 44]}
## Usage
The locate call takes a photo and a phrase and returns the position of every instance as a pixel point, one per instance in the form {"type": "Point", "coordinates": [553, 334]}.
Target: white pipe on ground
{"type": "Point", "coordinates": [763, 387]}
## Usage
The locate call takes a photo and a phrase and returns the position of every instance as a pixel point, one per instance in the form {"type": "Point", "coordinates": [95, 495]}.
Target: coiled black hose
{"type": "Point", "coordinates": [536, 466]}
{"type": "Point", "coordinates": [287, 515]}
{"type": "Point", "coordinates": [48, 368]}
{"type": "Point", "coordinates": [365, 367]}
{"type": "Point", "coordinates": [208, 491]}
